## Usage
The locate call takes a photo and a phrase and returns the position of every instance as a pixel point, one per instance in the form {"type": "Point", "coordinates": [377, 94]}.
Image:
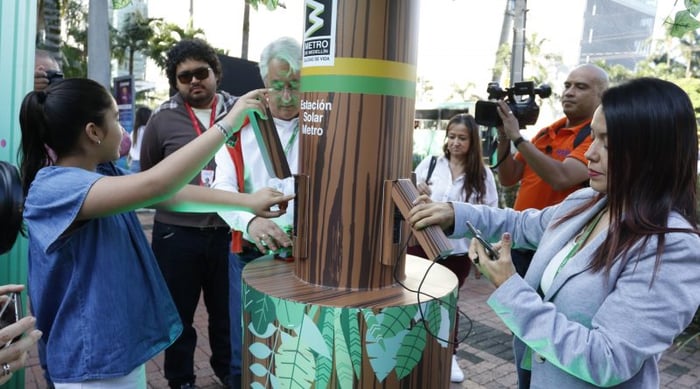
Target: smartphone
{"type": "Point", "coordinates": [10, 312]}
{"type": "Point", "coordinates": [54, 75]}
{"type": "Point", "coordinates": [492, 253]}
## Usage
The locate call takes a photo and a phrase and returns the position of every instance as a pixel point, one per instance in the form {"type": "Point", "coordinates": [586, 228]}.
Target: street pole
{"type": "Point", "coordinates": [98, 43]}
{"type": "Point", "coordinates": [518, 54]}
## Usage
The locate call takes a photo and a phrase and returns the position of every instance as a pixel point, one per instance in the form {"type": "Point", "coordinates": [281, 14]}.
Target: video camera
{"type": "Point", "coordinates": [520, 98]}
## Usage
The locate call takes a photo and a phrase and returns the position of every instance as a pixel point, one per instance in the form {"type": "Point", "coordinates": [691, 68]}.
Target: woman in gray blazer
{"type": "Point", "coordinates": [616, 273]}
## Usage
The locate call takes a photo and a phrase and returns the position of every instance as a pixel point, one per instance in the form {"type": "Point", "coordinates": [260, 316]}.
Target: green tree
{"type": "Point", "coordinates": [133, 37]}
{"type": "Point", "coordinates": [166, 35]}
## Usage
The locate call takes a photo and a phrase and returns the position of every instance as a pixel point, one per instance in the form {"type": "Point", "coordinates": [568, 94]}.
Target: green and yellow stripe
{"type": "Point", "coordinates": [361, 75]}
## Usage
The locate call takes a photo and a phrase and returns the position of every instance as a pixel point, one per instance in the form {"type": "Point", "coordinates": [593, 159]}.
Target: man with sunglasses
{"type": "Point", "coordinates": [191, 248]}
{"type": "Point", "coordinates": [552, 165]}
{"type": "Point", "coordinates": [280, 62]}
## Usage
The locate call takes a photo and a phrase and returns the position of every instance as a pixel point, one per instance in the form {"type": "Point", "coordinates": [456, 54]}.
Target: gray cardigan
{"type": "Point", "coordinates": [590, 330]}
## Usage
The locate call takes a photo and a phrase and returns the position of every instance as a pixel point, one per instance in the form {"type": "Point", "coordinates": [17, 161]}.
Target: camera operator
{"type": "Point", "coordinates": [46, 69]}
{"type": "Point", "coordinates": [552, 165]}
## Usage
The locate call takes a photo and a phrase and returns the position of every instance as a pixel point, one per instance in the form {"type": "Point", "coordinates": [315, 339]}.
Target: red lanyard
{"type": "Point", "coordinates": [195, 121]}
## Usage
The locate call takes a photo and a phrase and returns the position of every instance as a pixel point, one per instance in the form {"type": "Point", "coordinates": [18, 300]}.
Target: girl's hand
{"type": "Point", "coordinates": [266, 198]}
{"type": "Point", "coordinates": [255, 101]}
{"type": "Point", "coordinates": [497, 271]}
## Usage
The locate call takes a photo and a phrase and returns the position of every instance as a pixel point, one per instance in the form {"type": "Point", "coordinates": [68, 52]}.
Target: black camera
{"type": "Point", "coordinates": [520, 98]}
{"type": "Point", "coordinates": [54, 76]}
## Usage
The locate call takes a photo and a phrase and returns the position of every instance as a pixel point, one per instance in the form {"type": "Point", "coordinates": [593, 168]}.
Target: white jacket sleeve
{"type": "Point", "coordinates": [226, 178]}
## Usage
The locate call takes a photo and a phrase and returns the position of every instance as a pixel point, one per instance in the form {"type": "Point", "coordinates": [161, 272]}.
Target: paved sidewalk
{"type": "Point", "coordinates": [485, 355]}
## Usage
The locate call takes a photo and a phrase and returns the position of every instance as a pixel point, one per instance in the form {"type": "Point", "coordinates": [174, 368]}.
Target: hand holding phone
{"type": "Point", "coordinates": [492, 253]}
{"type": "Point", "coordinates": [10, 313]}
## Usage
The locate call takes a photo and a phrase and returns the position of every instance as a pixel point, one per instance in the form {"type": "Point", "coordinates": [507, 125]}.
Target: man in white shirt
{"type": "Point", "coordinates": [280, 63]}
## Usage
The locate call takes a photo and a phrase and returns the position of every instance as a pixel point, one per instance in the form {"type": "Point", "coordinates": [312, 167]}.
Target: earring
{"type": "Point", "coordinates": [99, 142]}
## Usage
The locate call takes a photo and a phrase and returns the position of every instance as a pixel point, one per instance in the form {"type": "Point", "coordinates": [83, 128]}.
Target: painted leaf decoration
{"type": "Point", "coordinates": [289, 313]}
{"type": "Point", "coordinates": [693, 6]}
{"type": "Point", "coordinates": [294, 363]}
{"type": "Point", "coordinates": [382, 354]}
{"type": "Point", "coordinates": [271, 329]}
{"type": "Point", "coordinates": [433, 317]}
{"type": "Point", "coordinates": [324, 364]}
{"type": "Point", "coordinates": [311, 337]}
{"type": "Point", "coordinates": [261, 309]}
{"type": "Point", "coordinates": [260, 350]}
{"type": "Point", "coordinates": [445, 326]}
{"type": "Point", "coordinates": [349, 322]}
{"type": "Point", "coordinates": [396, 319]}
{"type": "Point", "coordinates": [258, 370]}
{"type": "Point", "coordinates": [343, 361]}
{"type": "Point", "coordinates": [411, 351]}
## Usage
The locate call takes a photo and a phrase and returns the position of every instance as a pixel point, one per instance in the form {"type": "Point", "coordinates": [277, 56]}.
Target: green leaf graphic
{"type": "Point", "coordinates": [311, 337]}
{"type": "Point", "coordinates": [289, 313]}
{"type": "Point", "coordinates": [349, 322]}
{"type": "Point", "coordinates": [294, 363]}
{"type": "Point", "coordinates": [343, 361]}
{"type": "Point", "coordinates": [271, 329]}
{"type": "Point", "coordinates": [324, 364]}
{"type": "Point", "coordinates": [382, 354]}
{"type": "Point", "coordinates": [260, 350]}
{"type": "Point", "coordinates": [411, 351]}
{"type": "Point", "coordinates": [261, 309]}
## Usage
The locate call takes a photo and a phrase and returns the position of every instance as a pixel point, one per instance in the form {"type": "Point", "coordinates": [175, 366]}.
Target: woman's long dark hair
{"type": "Point", "coordinates": [56, 118]}
{"type": "Point", "coordinates": [11, 201]}
{"type": "Point", "coordinates": [652, 165]}
{"type": "Point", "coordinates": [474, 169]}
{"type": "Point", "coordinates": [141, 118]}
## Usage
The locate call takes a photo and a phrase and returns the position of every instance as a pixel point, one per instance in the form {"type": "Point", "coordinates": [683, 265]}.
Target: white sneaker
{"type": "Point", "coordinates": [457, 374]}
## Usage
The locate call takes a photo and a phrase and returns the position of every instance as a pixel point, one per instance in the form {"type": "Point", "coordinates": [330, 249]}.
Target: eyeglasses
{"type": "Point", "coordinates": [201, 74]}
{"type": "Point", "coordinates": [281, 86]}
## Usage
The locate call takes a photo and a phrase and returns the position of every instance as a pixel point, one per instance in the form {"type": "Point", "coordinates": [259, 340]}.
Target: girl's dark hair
{"type": "Point", "coordinates": [474, 169]}
{"type": "Point", "coordinates": [652, 165]}
{"type": "Point", "coordinates": [142, 116]}
{"type": "Point", "coordinates": [11, 201]}
{"type": "Point", "coordinates": [56, 117]}
{"type": "Point", "coordinates": [195, 49]}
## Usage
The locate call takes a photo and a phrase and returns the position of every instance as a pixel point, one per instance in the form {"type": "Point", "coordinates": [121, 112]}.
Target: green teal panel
{"type": "Point", "coordinates": [311, 341]}
{"type": "Point", "coordinates": [17, 32]}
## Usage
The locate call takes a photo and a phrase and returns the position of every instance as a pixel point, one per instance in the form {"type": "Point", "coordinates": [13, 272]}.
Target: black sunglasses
{"type": "Point", "coordinates": [201, 74]}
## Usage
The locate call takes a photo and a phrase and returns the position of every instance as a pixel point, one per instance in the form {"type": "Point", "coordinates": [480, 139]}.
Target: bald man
{"type": "Point", "coordinates": [552, 164]}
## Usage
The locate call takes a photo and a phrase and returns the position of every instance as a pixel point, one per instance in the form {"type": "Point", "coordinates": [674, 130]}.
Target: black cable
{"type": "Point", "coordinates": [419, 293]}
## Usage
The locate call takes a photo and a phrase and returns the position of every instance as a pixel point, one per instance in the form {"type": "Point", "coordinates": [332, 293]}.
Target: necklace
{"type": "Point", "coordinates": [581, 238]}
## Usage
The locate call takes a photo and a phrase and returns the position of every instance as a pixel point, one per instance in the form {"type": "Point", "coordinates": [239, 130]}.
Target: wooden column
{"type": "Point", "coordinates": [357, 119]}
{"type": "Point", "coordinates": [352, 310]}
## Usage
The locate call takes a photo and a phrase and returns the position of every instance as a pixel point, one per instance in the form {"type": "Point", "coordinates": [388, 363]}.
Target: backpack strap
{"type": "Point", "coordinates": [581, 136]}
{"type": "Point", "coordinates": [431, 168]}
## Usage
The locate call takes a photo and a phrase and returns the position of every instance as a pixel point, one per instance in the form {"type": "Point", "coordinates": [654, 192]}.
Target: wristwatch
{"type": "Point", "coordinates": [518, 141]}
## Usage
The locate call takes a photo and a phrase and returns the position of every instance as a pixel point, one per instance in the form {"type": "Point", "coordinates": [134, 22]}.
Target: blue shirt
{"type": "Point", "coordinates": [96, 290]}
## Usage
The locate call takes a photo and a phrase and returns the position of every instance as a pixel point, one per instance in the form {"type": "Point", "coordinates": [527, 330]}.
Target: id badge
{"type": "Point", "coordinates": [206, 178]}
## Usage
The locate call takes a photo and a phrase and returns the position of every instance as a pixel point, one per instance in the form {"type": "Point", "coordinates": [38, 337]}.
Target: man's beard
{"type": "Point", "coordinates": [201, 100]}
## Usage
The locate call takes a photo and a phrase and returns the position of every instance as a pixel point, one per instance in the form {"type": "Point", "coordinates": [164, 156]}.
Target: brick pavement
{"type": "Point", "coordinates": [485, 355]}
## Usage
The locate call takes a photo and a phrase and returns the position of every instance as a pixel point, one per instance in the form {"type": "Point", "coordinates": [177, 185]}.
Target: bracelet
{"type": "Point", "coordinates": [226, 133]}
{"type": "Point", "coordinates": [518, 141]}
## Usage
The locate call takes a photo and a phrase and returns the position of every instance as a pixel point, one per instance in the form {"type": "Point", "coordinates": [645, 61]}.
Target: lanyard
{"type": "Point", "coordinates": [290, 142]}
{"type": "Point", "coordinates": [195, 121]}
{"type": "Point", "coordinates": [582, 238]}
